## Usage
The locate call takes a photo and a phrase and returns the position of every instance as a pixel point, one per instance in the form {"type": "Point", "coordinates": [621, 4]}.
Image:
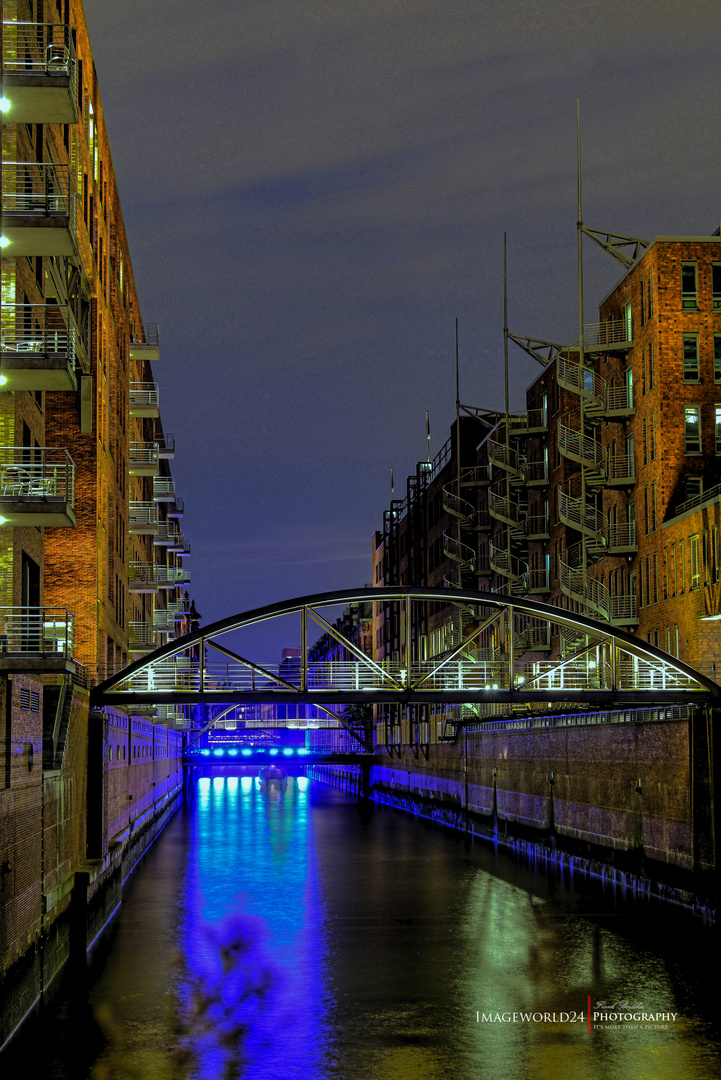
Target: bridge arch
{"type": "Point", "coordinates": [609, 669]}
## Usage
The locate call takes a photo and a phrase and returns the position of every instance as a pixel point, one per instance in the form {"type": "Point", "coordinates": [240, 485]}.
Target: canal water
{"type": "Point", "coordinates": [296, 932]}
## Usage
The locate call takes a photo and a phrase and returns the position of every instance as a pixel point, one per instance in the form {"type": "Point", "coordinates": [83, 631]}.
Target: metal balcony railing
{"type": "Point", "coordinates": [459, 552]}
{"type": "Point", "coordinates": [475, 476]}
{"type": "Point", "coordinates": [40, 472]}
{"type": "Point", "coordinates": [39, 49]}
{"type": "Point", "coordinates": [621, 469]}
{"type": "Point", "coordinates": [166, 445]}
{"type": "Point", "coordinates": [621, 536]}
{"type": "Point", "coordinates": [31, 189]}
{"type": "Point", "coordinates": [37, 330]}
{"type": "Point", "coordinates": [598, 336]}
{"type": "Point", "coordinates": [146, 334]}
{"type": "Point", "coordinates": [508, 510]}
{"type": "Point", "coordinates": [172, 576]}
{"type": "Point", "coordinates": [163, 489]}
{"type": "Point", "coordinates": [538, 580]}
{"type": "Point", "coordinates": [506, 564]}
{"type": "Point", "coordinates": [580, 448]}
{"type": "Point", "coordinates": [581, 380]}
{"type": "Point", "coordinates": [455, 505]}
{"type": "Point", "coordinates": [536, 472]}
{"type": "Point", "coordinates": [167, 534]}
{"type": "Point", "coordinates": [144, 398]}
{"type": "Point", "coordinates": [143, 517]}
{"type": "Point", "coordinates": [141, 636]}
{"type": "Point", "coordinates": [44, 631]}
{"type": "Point", "coordinates": [537, 525]}
{"type": "Point", "coordinates": [619, 400]}
{"type": "Point", "coordinates": [579, 515]}
{"type": "Point", "coordinates": [143, 456]}
{"type": "Point", "coordinates": [504, 456]}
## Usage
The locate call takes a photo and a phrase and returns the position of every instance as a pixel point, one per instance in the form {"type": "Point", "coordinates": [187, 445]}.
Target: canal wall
{"type": "Point", "coordinates": [76, 815]}
{"type": "Point", "coordinates": [628, 802]}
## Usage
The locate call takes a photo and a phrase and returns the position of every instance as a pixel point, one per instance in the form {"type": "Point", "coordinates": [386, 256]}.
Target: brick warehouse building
{"type": "Point", "coordinates": [603, 497]}
{"type": "Point", "coordinates": [91, 544]}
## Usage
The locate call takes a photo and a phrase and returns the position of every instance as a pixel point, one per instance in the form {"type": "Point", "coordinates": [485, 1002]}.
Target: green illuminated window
{"type": "Point", "coordinates": [692, 429]}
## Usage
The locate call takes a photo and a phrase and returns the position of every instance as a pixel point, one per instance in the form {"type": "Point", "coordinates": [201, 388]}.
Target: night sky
{"type": "Point", "coordinates": [314, 192]}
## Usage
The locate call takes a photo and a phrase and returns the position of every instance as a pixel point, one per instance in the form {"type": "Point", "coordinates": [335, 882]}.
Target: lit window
{"type": "Point", "coordinates": [718, 429]}
{"type": "Point", "coordinates": [690, 358]}
{"type": "Point", "coordinates": [692, 429]}
{"type": "Point", "coordinates": [716, 285]}
{"type": "Point", "coordinates": [689, 294]}
{"type": "Point", "coordinates": [628, 322]}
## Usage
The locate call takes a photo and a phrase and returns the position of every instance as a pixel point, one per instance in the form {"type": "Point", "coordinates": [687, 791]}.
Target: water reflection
{"type": "Point", "coordinates": [275, 931]}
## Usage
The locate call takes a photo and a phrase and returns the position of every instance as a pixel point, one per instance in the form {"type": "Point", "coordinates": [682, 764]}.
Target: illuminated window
{"type": "Point", "coordinates": [692, 429]}
{"type": "Point", "coordinates": [718, 429]}
{"type": "Point", "coordinates": [690, 358]}
{"type": "Point", "coordinates": [716, 285]}
{"type": "Point", "coordinates": [628, 322]}
{"type": "Point", "coordinates": [689, 294]}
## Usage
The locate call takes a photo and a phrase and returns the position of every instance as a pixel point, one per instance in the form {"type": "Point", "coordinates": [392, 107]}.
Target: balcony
{"type": "Point", "coordinates": [536, 473]}
{"type": "Point", "coordinates": [475, 476]}
{"type": "Point", "coordinates": [538, 526]}
{"type": "Point", "coordinates": [508, 566]}
{"type": "Point", "coordinates": [182, 550]}
{"type": "Point", "coordinates": [37, 487]}
{"type": "Point", "coordinates": [163, 489]}
{"type": "Point", "coordinates": [532, 422]}
{"type": "Point", "coordinates": [582, 381]}
{"type": "Point", "coordinates": [167, 535]}
{"type": "Point", "coordinates": [144, 459]}
{"type": "Point", "coordinates": [39, 208]}
{"type": "Point", "coordinates": [538, 581]}
{"type": "Point", "coordinates": [143, 577]}
{"type": "Point", "coordinates": [510, 511]}
{"type": "Point", "coordinates": [143, 519]}
{"type": "Point", "coordinates": [141, 638]}
{"type": "Point", "coordinates": [39, 73]}
{"type": "Point", "coordinates": [176, 509]}
{"type": "Point", "coordinates": [37, 350]}
{"type": "Point", "coordinates": [144, 344]}
{"type": "Point", "coordinates": [621, 539]}
{"type": "Point", "coordinates": [621, 470]}
{"type": "Point", "coordinates": [171, 577]}
{"type": "Point", "coordinates": [36, 639]}
{"type": "Point", "coordinates": [504, 457]}
{"type": "Point", "coordinates": [166, 446]}
{"type": "Point", "coordinates": [164, 620]}
{"type": "Point", "coordinates": [606, 338]}
{"type": "Point", "coordinates": [144, 399]}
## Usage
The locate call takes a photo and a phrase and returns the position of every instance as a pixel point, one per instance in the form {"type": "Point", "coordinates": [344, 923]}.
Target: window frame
{"type": "Point", "coordinates": [689, 298]}
{"type": "Point", "coordinates": [692, 450]}
{"type": "Point", "coordinates": [690, 375]}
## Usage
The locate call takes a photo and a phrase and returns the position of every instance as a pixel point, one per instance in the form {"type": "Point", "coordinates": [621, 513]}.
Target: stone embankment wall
{"type": "Point", "coordinates": [71, 834]}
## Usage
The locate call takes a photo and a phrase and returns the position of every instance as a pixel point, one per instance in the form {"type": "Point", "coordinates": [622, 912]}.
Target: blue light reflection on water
{"type": "Point", "coordinates": [252, 936]}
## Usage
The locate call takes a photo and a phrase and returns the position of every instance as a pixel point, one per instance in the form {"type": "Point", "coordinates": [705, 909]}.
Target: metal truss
{"type": "Point", "coordinates": [611, 669]}
{"type": "Point", "coordinates": [545, 352]}
{"type": "Point", "coordinates": [616, 244]}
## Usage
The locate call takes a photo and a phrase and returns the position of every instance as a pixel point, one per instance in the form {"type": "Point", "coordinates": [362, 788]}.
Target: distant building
{"type": "Point", "coordinates": [603, 497]}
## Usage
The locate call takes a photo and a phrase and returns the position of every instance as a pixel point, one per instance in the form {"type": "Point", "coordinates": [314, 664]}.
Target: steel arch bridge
{"type": "Point", "coordinates": [606, 669]}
